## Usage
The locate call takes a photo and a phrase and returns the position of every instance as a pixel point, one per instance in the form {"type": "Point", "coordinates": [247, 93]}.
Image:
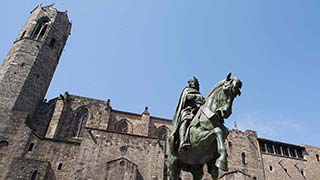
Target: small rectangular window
{"type": "Point", "coordinates": [285, 151]}
{"type": "Point", "coordinates": [278, 150]}
{"type": "Point", "coordinates": [270, 148]}
{"type": "Point", "coordinates": [299, 154]}
{"type": "Point", "coordinates": [30, 147]}
{"type": "Point", "coordinates": [60, 166]}
{"type": "Point", "coordinates": [262, 147]}
{"type": "Point", "coordinates": [292, 152]}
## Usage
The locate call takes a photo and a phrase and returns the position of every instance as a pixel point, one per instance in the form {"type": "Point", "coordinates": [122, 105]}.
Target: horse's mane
{"type": "Point", "coordinates": [216, 87]}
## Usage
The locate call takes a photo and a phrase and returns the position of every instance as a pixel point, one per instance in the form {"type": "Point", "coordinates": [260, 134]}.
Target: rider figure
{"type": "Point", "coordinates": [189, 103]}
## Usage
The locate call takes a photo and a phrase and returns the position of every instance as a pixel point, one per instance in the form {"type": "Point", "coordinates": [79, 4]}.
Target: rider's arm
{"type": "Point", "coordinates": [196, 97]}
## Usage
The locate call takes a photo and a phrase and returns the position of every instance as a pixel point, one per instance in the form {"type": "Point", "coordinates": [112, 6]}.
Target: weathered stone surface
{"type": "Point", "coordinates": [23, 169]}
{"type": "Point", "coordinates": [29, 66]}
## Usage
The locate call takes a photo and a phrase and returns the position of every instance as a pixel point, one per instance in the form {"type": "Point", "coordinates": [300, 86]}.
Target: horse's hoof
{"type": "Point", "coordinates": [214, 173]}
{"type": "Point", "coordinates": [222, 165]}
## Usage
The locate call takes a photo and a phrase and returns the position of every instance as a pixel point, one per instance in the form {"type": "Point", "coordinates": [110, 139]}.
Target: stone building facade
{"type": "Point", "coordinates": [73, 137]}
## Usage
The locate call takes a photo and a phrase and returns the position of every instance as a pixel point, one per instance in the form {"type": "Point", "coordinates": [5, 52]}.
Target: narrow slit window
{"type": "Point", "coordinates": [52, 42]}
{"type": "Point", "coordinates": [60, 166]}
{"type": "Point", "coordinates": [34, 175]}
{"type": "Point", "coordinates": [22, 35]}
{"type": "Point", "coordinates": [317, 157]}
{"type": "Point", "coordinates": [243, 157]}
{"type": "Point", "coordinates": [30, 147]}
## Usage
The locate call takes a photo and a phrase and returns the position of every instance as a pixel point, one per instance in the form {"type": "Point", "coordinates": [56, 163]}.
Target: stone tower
{"type": "Point", "coordinates": [25, 75]}
{"type": "Point", "coordinates": [30, 64]}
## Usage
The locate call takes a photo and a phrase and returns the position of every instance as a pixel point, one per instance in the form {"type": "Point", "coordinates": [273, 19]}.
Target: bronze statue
{"type": "Point", "coordinates": [189, 103]}
{"type": "Point", "coordinates": [199, 133]}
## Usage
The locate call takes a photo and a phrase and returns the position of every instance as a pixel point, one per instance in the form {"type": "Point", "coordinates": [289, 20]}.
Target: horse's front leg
{"type": "Point", "coordinates": [173, 168]}
{"type": "Point", "coordinates": [197, 171]}
{"type": "Point", "coordinates": [212, 169]}
{"type": "Point", "coordinates": [221, 162]}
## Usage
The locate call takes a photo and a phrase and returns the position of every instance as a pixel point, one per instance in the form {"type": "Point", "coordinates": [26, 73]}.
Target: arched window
{"type": "Point", "coordinates": [317, 157]}
{"type": "Point", "coordinates": [40, 28]}
{"type": "Point", "coordinates": [162, 132]}
{"type": "Point", "coordinates": [34, 175]}
{"type": "Point", "coordinates": [270, 168]}
{"type": "Point", "coordinates": [80, 120]}
{"type": "Point", "coordinates": [3, 144]}
{"type": "Point", "coordinates": [122, 126]}
{"type": "Point", "coordinates": [243, 157]}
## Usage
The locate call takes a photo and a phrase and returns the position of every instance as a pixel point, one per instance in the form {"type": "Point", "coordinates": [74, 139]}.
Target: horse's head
{"type": "Point", "coordinates": [221, 97]}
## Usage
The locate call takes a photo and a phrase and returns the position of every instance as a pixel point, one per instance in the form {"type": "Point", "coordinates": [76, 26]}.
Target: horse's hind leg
{"type": "Point", "coordinates": [173, 168]}
{"type": "Point", "coordinates": [197, 172]}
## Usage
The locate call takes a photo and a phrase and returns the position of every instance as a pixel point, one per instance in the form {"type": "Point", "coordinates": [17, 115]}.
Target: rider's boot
{"type": "Point", "coordinates": [183, 146]}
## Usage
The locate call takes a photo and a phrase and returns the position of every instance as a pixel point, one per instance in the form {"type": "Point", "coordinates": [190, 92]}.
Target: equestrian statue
{"type": "Point", "coordinates": [199, 133]}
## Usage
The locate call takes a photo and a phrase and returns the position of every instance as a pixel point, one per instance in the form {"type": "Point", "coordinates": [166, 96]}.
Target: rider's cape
{"type": "Point", "coordinates": [177, 116]}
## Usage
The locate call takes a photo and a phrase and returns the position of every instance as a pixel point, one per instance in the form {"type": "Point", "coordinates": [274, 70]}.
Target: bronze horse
{"type": "Point", "coordinates": [207, 134]}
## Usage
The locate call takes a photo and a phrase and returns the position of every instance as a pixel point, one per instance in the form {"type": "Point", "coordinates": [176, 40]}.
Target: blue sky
{"type": "Point", "coordinates": [141, 53]}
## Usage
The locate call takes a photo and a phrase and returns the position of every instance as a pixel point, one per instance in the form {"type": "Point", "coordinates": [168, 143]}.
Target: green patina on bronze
{"type": "Point", "coordinates": [198, 129]}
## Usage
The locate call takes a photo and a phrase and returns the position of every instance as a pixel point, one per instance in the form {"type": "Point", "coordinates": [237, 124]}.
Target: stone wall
{"type": "Point", "coordinates": [100, 148]}
{"type": "Point", "coordinates": [15, 133]}
{"type": "Point", "coordinates": [22, 169]}
{"type": "Point", "coordinates": [312, 168]}
{"type": "Point", "coordinates": [89, 156]}
{"type": "Point", "coordinates": [281, 168]}
{"type": "Point", "coordinates": [244, 154]}
{"type": "Point", "coordinates": [57, 153]}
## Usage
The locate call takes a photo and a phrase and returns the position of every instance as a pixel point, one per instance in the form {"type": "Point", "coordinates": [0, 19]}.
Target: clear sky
{"type": "Point", "coordinates": [142, 52]}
